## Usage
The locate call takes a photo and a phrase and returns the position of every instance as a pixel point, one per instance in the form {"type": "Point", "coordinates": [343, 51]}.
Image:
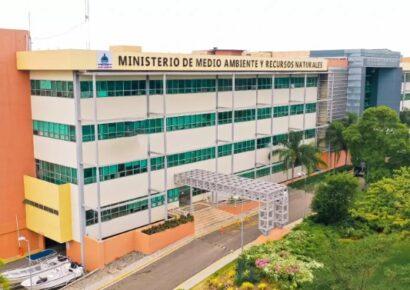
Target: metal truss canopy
{"type": "Point", "coordinates": [273, 197]}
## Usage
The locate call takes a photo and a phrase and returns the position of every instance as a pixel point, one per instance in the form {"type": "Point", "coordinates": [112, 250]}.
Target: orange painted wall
{"type": "Point", "coordinates": [118, 246]}
{"type": "Point", "coordinates": [94, 253]}
{"type": "Point", "coordinates": [98, 254]}
{"type": "Point", "coordinates": [329, 158]}
{"type": "Point", "coordinates": [16, 143]}
{"type": "Point", "coordinates": [337, 62]}
{"type": "Point", "coordinates": [148, 244]}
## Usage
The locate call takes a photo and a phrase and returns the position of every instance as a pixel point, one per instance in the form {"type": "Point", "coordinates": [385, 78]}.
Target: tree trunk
{"type": "Point", "coordinates": [293, 171]}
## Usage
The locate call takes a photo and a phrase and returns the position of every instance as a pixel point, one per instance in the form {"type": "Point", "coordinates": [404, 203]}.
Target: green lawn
{"type": "Point", "coordinates": [375, 262]}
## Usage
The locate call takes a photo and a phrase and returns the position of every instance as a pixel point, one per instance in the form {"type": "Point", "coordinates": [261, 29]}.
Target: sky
{"type": "Point", "coordinates": [186, 25]}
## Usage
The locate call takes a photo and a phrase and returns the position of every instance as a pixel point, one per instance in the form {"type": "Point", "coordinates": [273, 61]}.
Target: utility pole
{"type": "Point", "coordinates": [87, 23]}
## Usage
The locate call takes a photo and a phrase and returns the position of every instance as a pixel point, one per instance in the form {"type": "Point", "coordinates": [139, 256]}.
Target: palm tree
{"type": "Point", "coordinates": [294, 153]}
{"type": "Point", "coordinates": [334, 136]}
{"type": "Point", "coordinates": [335, 140]}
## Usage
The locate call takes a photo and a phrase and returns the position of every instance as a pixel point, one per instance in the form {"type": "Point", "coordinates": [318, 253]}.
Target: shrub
{"type": "Point", "coordinates": [213, 282]}
{"type": "Point", "coordinates": [262, 286]}
{"type": "Point", "coordinates": [334, 197]}
{"type": "Point", "coordinates": [247, 285]}
{"type": "Point", "coordinates": [231, 274]}
{"type": "Point", "coordinates": [169, 224]}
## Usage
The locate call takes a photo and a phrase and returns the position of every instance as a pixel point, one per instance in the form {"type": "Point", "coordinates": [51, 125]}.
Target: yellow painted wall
{"type": "Point", "coordinates": [55, 227]}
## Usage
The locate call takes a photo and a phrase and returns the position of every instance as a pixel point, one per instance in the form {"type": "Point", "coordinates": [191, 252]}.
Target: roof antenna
{"type": "Point", "coordinates": [87, 23]}
{"type": "Point", "coordinates": [29, 26]}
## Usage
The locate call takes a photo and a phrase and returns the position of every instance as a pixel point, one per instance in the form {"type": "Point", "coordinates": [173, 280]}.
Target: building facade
{"type": "Point", "coordinates": [152, 123]}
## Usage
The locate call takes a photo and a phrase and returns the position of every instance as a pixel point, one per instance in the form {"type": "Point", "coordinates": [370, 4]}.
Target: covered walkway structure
{"type": "Point", "coordinates": [273, 197]}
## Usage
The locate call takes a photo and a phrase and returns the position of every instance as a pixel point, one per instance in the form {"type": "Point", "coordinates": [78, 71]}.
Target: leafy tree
{"type": "Point", "coordinates": [334, 198]}
{"type": "Point", "coordinates": [374, 139]}
{"type": "Point", "coordinates": [386, 204]}
{"type": "Point", "coordinates": [295, 153]}
{"type": "Point", "coordinates": [351, 118]}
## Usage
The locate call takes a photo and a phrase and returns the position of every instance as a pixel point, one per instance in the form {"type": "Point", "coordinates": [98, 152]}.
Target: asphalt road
{"type": "Point", "coordinates": [172, 270]}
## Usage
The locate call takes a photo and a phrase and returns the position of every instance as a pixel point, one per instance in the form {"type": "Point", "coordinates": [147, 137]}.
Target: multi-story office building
{"type": "Point", "coordinates": [113, 128]}
{"type": "Point", "coordinates": [110, 129]}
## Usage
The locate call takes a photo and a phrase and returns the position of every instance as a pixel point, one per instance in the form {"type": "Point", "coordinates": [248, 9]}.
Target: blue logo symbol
{"type": "Point", "coordinates": [104, 60]}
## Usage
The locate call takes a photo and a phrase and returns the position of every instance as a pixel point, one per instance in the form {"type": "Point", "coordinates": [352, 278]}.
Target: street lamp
{"type": "Point", "coordinates": [300, 174]}
{"type": "Point", "coordinates": [270, 146]}
{"type": "Point", "coordinates": [23, 239]}
{"type": "Point", "coordinates": [236, 197]}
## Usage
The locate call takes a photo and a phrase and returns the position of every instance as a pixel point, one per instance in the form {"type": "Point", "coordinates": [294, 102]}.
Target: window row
{"type": "Point", "coordinates": [260, 172]}
{"type": "Point", "coordinates": [110, 212]}
{"type": "Point", "coordinates": [116, 88]}
{"type": "Point", "coordinates": [59, 174]}
{"type": "Point", "coordinates": [149, 126]}
{"type": "Point", "coordinates": [134, 205]}
{"type": "Point", "coordinates": [40, 206]}
{"type": "Point", "coordinates": [61, 131]}
{"type": "Point", "coordinates": [63, 89]}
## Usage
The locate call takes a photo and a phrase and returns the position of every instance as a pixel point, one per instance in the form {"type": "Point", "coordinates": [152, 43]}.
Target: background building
{"type": "Point", "coordinates": [373, 77]}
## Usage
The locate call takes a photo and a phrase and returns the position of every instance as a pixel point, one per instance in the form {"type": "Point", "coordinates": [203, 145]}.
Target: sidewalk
{"type": "Point", "coordinates": [276, 234]}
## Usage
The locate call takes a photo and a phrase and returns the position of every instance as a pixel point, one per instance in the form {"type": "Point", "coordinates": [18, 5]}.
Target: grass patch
{"type": "Point", "coordinates": [222, 276]}
{"type": "Point", "coordinates": [377, 261]}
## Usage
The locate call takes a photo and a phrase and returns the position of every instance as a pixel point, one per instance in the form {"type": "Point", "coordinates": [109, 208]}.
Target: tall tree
{"type": "Point", "coordinates": [375, 139]}
{"type": "Point", "coordinates": [294, 153]}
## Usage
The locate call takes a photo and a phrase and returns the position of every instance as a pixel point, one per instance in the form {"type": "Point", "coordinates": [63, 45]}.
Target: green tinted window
{"type": "Point", "coordinates": [310, 133]}
{"type": "Point", "coordinates": [224, 85]}
{"type": "Point", "coordinates": [311, 82]}
{"type": "Point", "coordinates": [296, 109]}
{"type": "Point", "coordinates": [245, 84]}
{"type": "Point", "coordinates": [297, 82]}
{"type": "Point", "coordinates": [282, 82]}
{"type": "Point", "coordinates": [264, 83]}
{"type": "Point", "coordinates": [310, 108]}
{"type": "Point", "coordinates": [280, 111]}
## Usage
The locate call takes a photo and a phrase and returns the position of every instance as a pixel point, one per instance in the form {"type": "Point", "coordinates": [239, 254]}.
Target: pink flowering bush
{"type": "Point", "coordinates": [278, 262]}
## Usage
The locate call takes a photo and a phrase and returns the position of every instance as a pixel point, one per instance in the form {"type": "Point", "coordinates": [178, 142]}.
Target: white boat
{"type": "Point", "coordinates": [54, 278]}
{"type": "Point", "coordinates": [19, 275]}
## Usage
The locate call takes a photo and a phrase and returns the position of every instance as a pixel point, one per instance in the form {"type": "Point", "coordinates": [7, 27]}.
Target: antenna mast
{"type": "Point", "coordinates": [87, 23]}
